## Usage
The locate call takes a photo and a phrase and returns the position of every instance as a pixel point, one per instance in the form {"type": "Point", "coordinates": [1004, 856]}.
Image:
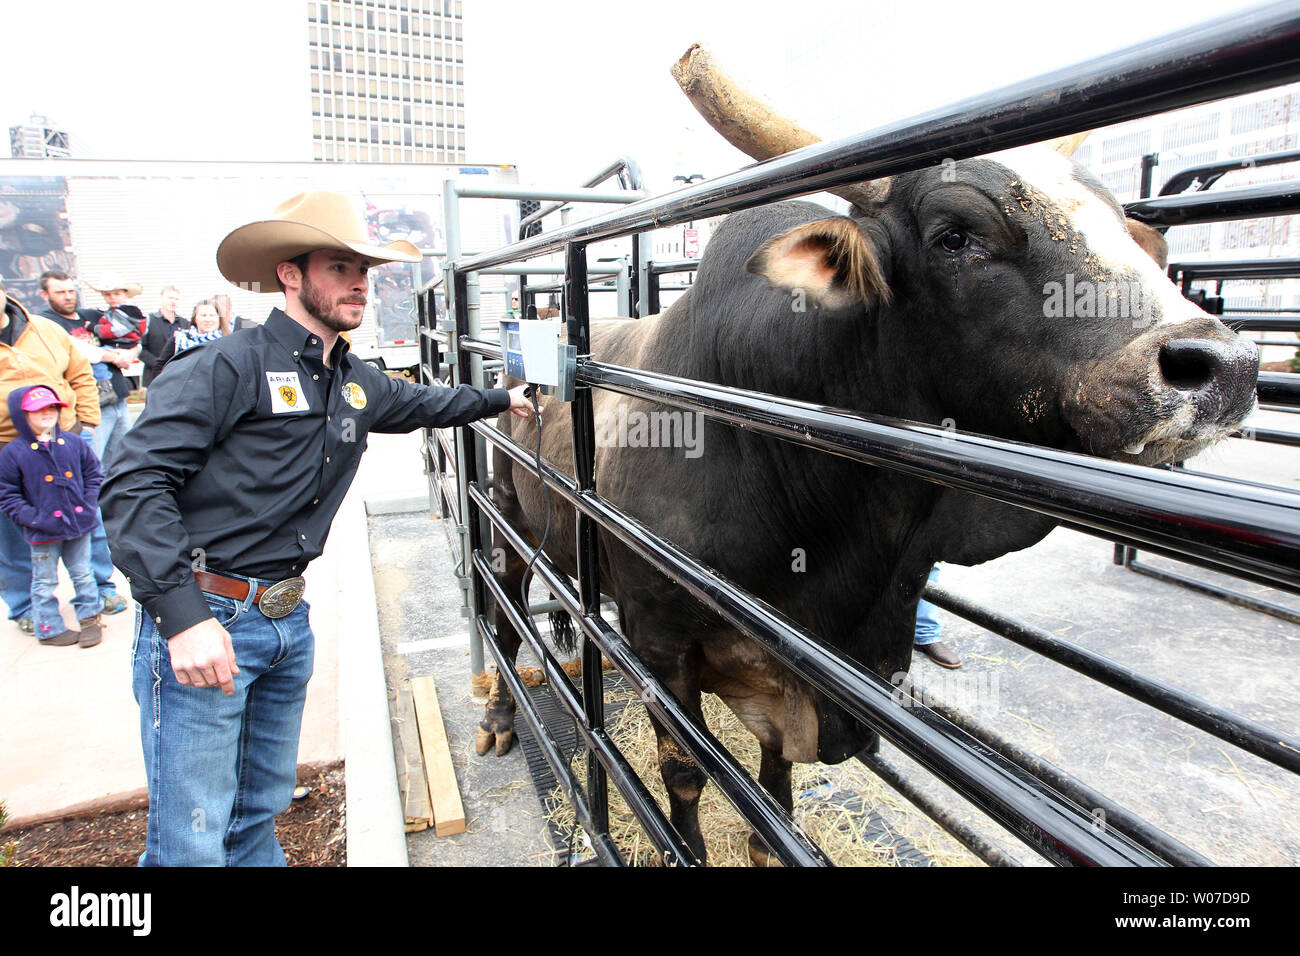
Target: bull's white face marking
{"type": "Point", "coordinates": [1111, 251]}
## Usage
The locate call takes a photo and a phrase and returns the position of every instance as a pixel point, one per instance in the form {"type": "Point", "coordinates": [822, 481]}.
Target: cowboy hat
{"type": "Point", "coordinates": [304, 223]}
{"type": "Point", "coordinates": [112, 281]}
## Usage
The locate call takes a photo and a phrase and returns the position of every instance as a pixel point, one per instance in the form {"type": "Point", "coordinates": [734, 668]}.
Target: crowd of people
{"type": "Point", "coordinates": [64, 374]}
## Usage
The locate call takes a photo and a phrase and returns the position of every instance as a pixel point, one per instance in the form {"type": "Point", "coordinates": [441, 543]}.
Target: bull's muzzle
{"type": "Point", "coordinates": [1167, 394]}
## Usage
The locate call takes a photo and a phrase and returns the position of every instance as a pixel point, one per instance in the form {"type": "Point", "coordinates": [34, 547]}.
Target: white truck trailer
{"type": "Point", "coordinates": [159, 223]}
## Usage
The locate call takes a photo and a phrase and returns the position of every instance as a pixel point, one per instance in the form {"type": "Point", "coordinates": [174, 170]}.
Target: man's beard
{"type": "Point", "coordinates": [71, 312]}
{"type": "Point", "coordinates": [329, 314]}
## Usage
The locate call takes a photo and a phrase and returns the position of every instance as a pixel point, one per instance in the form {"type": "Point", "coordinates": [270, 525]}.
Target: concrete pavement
{"type": "Point", "coordinates": [70, 723]}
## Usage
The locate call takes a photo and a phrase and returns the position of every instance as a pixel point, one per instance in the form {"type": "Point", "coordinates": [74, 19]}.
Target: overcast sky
{"type": "Point", "coordinates": [557, 88]}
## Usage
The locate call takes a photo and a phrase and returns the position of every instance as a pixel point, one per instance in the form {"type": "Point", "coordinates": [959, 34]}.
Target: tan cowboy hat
{"type": "Point", "coordinates": [112, 281]}
{"type": "Point", "coordinates": [308, 221]}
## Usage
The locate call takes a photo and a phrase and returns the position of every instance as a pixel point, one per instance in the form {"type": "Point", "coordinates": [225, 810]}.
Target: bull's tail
{"type": "Point", "coordinates": [563, 633]}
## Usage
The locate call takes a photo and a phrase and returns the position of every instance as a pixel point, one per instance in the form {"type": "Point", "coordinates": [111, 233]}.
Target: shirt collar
{"type": "Point", "coordinates": [297, 339]}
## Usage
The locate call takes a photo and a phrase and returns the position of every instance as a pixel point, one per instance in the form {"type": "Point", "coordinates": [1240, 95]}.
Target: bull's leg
{"type": "Point", "coordinates": [498, 726]}
{"type": "Point", "coordinates": [774, 775]}
{"type": "Point", "coordinates": [684, 782]}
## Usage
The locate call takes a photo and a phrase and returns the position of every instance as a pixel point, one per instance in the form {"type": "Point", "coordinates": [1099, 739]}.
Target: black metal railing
{"type": "Point", "coordinates": [1220, 523]}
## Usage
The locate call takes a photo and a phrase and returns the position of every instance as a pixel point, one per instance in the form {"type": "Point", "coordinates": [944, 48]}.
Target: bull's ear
{"type": "Point", "coordinates": [1151, 241]}
{"type": "Point", "coordinates": [830, 260]}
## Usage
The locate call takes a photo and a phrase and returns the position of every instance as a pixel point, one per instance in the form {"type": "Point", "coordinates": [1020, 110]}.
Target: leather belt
{"type": "Point", "coordinates": [273, 600]}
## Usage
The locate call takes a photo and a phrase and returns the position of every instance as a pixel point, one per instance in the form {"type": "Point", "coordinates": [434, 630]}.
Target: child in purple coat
{"type": "Point", "coordinates": [49, 486]}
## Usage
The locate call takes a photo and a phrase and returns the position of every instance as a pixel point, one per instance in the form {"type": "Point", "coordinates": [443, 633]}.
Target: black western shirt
{"type": "Point", "coordinates": [244, 453]}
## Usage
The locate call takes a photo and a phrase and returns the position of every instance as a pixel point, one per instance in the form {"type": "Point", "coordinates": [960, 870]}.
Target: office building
{"type": "Point", "coordinates": [387, 81]}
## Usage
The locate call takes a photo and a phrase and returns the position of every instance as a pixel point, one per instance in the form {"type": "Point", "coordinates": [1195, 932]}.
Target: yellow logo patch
{"type": "Point", "coordinates": [354, 395]}
{"type": "Point", "coordinates": [289, 395]}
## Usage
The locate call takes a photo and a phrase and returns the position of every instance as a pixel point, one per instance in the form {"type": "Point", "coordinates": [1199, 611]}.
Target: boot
{"type": "Point", "coordinates": [66, 639]}
{"type": "Point", "coordinates": [90, 635]}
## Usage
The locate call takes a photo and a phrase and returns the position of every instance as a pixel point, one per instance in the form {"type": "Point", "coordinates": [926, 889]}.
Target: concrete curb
{"type": "Point", "coordinates": [376, 833]}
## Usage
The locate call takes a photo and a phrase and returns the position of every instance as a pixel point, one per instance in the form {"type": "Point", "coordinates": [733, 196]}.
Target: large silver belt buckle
{"type": "Point", "coordinates": [281, 598]}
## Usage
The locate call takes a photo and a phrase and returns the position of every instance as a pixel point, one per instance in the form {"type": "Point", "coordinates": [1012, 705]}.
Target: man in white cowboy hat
{"type": "Point", "coordinates": [223, 493]}
{"type": "Point", "coordinates": [120, 329]}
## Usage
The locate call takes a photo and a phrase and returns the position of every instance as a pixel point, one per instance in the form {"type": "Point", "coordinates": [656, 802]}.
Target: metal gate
{"type": "Point", "coordinates": [1244, 528]}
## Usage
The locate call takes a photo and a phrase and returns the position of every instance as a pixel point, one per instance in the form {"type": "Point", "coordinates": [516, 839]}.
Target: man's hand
{"type": "Point", "coordinates": [122, 358]}
{"type": "Point", "coordinates": [202, 656]}
{"type": "Point", "coordinates": [520, 404]}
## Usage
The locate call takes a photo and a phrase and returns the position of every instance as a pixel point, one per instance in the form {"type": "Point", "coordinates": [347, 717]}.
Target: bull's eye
{"type": "Point", "coordinates": [954, 240]}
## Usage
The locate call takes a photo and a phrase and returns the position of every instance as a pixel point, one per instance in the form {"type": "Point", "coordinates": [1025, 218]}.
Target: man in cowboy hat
{"type": "Point", "coordinates": [119, 328]}
{"type": "Point", "coordinates": [223, 493]}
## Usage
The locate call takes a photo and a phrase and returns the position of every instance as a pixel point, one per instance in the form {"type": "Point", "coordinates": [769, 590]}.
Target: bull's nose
{"type": "Point", "coordinates": [1189, 365]}
{"type": "Point", "coordinates": [1193, 365]}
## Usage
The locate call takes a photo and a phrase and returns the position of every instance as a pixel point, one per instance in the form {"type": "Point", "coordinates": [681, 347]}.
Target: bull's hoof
{"type": "Point", "coordinates": [484, 739]}
{"type": "Point", "coordinates": [760, 855]}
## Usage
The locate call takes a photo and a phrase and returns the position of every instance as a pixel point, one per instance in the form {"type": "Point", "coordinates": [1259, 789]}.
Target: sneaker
{"type": "Point", "coordinates": [66, 639]}
{"type": "Point", "coordinates": [90, 634]}
{"type": "Point", "coordinates": [113, 604]}
{"type": "Point", "coordinates": [27, 625]}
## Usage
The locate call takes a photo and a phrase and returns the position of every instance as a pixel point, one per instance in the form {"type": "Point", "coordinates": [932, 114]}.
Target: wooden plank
{"type": "Point", "coordinates": [444, 795]}
{"type": "Point", "coordinates": [416, 810]}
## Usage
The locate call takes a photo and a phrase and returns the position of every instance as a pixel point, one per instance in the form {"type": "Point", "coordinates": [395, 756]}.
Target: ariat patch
{"type": "Point", "coordinates": [286, 393]}
{"type": "Point", "coordinates": [354, 395]}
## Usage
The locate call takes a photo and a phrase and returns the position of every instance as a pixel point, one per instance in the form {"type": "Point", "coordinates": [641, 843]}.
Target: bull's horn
{"type": "Point", "coordinates": [751, 125]}
{"type": "Point", "coordinates": [1066, 145]}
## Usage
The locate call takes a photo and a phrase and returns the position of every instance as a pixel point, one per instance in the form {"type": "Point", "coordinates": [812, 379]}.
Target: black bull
{"type": "Point", "coordinates": [1004, 295]}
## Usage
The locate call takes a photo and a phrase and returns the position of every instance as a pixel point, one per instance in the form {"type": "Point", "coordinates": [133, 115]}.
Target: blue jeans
{"type": "Point", "coordinates": [45, 578]}
{"type": "Point", "coordinates": [16, 566]}
{"type": "Point", "coordinates": [220, 768]}
{"type": "Point", "coordinates": [114, 422]}
{"type": "Point", "coordinates": [928, 630]}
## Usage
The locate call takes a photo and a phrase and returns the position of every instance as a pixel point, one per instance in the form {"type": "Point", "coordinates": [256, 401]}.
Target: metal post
{"type": "Point", "coordinates": [584, 470]}
{"type": "Point", "coordinates": [635, 275]}
{"type": "Point", "coordinates": [458, 305]}
{"type": "Point", "coordinates": [652, 293]}
{"type": "Point", "coordinates": [623, 289]}
{"type": "Point", "coordinates": [1149, 162]}
{"type": "Point", "coordinates": [646, 242]}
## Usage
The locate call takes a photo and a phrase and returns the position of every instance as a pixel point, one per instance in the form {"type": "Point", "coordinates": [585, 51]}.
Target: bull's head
{"type": "Point", "coordinates": [1017, 276]}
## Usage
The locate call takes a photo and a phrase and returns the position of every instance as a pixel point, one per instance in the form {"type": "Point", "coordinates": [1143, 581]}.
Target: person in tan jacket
{"type": "Point", "coordinates": [35, 351]}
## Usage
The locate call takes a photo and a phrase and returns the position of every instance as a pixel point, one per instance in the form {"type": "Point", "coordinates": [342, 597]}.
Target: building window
{"type": "Point", "coordinates": [1203, 130]}
{"type": "Point", "coordinates": [1274, 111]}
{"type": "Point", "coordinates": [1123, 183]}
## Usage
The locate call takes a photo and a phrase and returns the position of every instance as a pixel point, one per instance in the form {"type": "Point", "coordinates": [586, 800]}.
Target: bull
{"type": "Point", "coordinates": [1005, 293]}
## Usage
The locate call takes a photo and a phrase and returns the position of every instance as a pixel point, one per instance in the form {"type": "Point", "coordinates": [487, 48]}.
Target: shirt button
{"type": "Point", "coordinates": [295, 354]}
{"type": "Point", "coordinates": [315, 376]}
{"type": "Point", "coordinates": [315, 501]}
{"type": "Point", "coordinates": [51, 477]}
{"type": "Point", "coordinates": [67, 474]}
{"type": "Point", "coordinates": [313, 341]}
{"type": "Point", "coordinates": [303, 536]}
{"type": "Point", "coordinates": [327, 460]}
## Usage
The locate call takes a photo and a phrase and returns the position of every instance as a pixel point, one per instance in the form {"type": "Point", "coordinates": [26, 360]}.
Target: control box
{"type": "Point", "coordinates": [533, 353]}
